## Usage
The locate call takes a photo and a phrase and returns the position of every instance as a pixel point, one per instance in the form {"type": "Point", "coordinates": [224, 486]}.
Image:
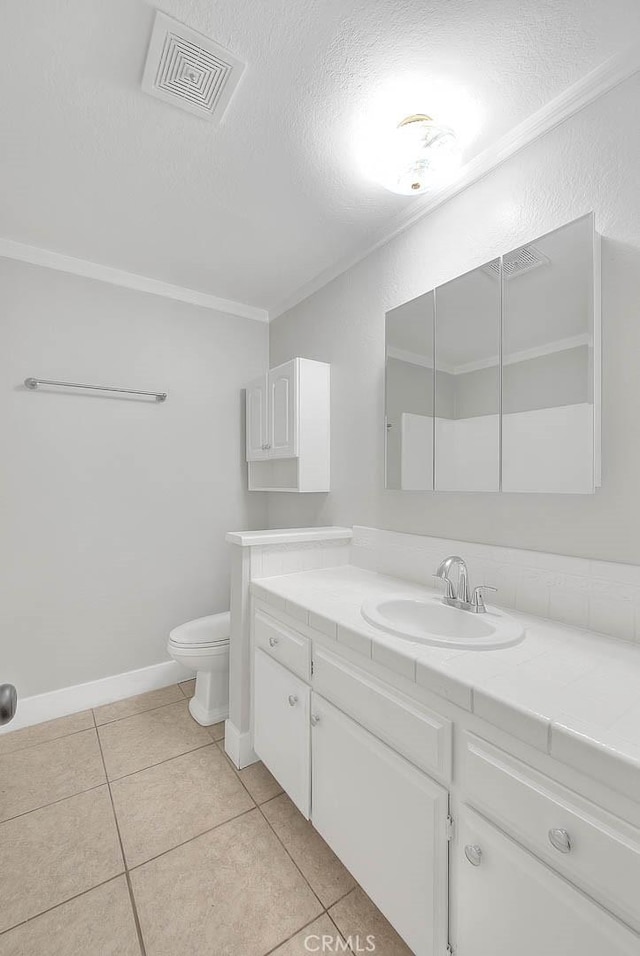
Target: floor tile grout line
{"type": "Point", "coordinates": [334, 902]}
{"type": "Point", "coordinates": [325, 912]}
{"type": "Point", "coordinates": [184, 753]}
{"type": "Point", "coordinates": [259, 808]}
{"type": "Point", "coordinates": [196, 836]}
{"type": "Point", "coordinates": [54, 803]}
{"type": "Point", "coordinates": [94, 724]}
{"type": "Point", "coordinates": [264, 817]}
{"type": "Point", "coordinates": [344, 895]}
{"type": "Point", "coordinates": [132, 899]}
{"type": "Point", "coordinates": [56, 906]}
{"type": "Point", "coordinates": [283, 942]}
{"type": "Point", "coordinates": [138, 713]}
{"type": "Point", "coordinates": [338, 930]}
{"type": "Point", "coordinates": [106, 780]}
{"type": "Point", "coordinates": [42, 743]}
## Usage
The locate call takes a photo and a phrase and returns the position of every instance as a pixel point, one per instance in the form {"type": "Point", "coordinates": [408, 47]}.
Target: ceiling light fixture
{"type": "Point", "coordinates": [420, 154]}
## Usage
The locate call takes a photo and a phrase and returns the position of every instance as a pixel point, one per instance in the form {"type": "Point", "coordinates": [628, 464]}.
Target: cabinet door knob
{"type": "Point", "coordinates": [293, 700]}
{"type": "Point", "coordinates": [560, 839]}
{"type": "Point", "coordinates": [273, 641]}
{"type": "Point", "coordinates": [315, 720]}
{"type": "Point", "coordinates": [473, 853]}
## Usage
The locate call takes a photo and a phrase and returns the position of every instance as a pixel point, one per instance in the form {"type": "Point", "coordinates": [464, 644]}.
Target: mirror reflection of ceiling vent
{"type": "Point", "coordinates": [189, 70]}
{"type": "Point", "coordinates": [516, 263]}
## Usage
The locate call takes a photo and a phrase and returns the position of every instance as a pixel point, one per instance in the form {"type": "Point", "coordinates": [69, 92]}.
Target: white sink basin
{"type": "Point", "coordinates": [429, 621]}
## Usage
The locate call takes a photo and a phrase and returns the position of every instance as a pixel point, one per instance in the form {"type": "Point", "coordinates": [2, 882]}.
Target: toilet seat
{"type": "Point", "coordinates": [200, 645]}
{"type": "Point", "coordinates": [204, 632]}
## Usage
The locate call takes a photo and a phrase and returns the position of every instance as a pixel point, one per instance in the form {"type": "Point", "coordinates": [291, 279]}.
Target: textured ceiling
{"type": "Point", "coordinates": [254, 208]}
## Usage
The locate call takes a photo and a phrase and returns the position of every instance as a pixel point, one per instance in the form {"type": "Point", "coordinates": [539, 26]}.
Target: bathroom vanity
{"type": "Point", "coordinates": [481, 822]}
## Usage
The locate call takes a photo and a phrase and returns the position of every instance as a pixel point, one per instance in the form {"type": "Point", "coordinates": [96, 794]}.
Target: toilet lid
{"type": "Point", "coordinates": [213, 629]}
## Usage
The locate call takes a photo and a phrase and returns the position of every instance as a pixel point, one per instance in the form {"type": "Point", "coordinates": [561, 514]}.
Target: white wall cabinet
{"type": "Point", "coordinates": [509, 902]}
{"type": "Point", "coordinates": [287, 428]}
{"type": "Point", "coordinates": [281, 727]}
{"type": "Point", "coordinates": [386, 820]}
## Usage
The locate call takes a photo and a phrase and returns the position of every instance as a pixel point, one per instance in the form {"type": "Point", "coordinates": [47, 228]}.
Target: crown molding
{"type": "Point", "coordinates": [128, 280]}
{"type": "Point", "coordinates": [572, 100]}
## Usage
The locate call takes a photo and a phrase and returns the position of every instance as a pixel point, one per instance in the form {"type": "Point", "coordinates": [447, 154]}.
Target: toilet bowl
{"type": "Point", "coordinates": [203, 645]}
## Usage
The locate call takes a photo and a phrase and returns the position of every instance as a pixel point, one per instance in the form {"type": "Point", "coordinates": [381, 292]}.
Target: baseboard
{"type": "Point", "coordinates": [238, 746]}
{"type": "Point", "coordinates": [70, 700]}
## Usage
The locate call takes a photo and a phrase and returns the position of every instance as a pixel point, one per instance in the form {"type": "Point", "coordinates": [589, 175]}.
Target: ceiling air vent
{"type": "Point", "coordinates": [516, 263]}
{"type": "Point", "coordinates": [189, 70]}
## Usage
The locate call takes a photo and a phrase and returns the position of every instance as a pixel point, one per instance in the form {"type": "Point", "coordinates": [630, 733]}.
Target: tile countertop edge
{"type": "Point", "coordinates": [588, 752]}
{"type": "Point", "coordinates": [250, 539]}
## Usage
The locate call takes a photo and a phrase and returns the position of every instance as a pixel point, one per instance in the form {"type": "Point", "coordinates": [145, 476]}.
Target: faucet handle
{"type": "Point", "coordinates": [477, 602]}
{"type": "Point", "coordinates": [449, 589]}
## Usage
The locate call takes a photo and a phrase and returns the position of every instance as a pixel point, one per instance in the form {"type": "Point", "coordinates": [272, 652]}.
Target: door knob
{"type": "Point", "coordinates": [315, 720]}
{"type": "Point", "coordinates": [560, 839]}
{"type": "Point", "coordinates": [8, 703]}
{"type": "Point", "coordinates": [293, 700]}
{"type": "Point", "coordinates": [273, 641]}
{"type": "Point", "coordinates": [473, 853]}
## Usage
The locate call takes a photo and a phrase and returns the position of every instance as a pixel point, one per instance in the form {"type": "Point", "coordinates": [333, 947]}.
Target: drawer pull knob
{"type": "Point", "coordinates": [473, 853]}
{"type": "Point", "coordinates": [273, 641]}
{"type": "Point", "coordinates": [560, 839]}
{"type": "Point", "coordinates": [315, 720]}
{"type": "Point", "coordinates": [293, 700]}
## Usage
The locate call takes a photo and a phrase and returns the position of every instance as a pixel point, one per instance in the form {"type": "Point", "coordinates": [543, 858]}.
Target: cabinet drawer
{"type": "Point", "coordinates": [602, 854]}
{"type": "Point", "coordinates": [419, 734]}
{"type": "Point", "coordinates": [291, 649]}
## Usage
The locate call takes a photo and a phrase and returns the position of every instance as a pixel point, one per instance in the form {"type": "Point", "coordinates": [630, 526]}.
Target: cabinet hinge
{"type": "Point", "coordinates": [450, 827]}
{"type": "Point", "coordinates": [312, 667]}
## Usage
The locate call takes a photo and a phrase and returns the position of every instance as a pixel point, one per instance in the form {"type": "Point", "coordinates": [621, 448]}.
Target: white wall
{"type": "Point", "coordinates": [591, 162]}
{"type": "Point", "coordinates": [114, 511]}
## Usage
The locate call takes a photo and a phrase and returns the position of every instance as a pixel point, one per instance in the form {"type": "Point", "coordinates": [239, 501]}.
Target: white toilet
{"type": "Point", "coordinates": [203, 645]}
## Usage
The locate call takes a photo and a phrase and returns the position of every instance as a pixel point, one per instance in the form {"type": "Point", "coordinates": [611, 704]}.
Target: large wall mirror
{"type": "Point", "coordinates": [493, 379]}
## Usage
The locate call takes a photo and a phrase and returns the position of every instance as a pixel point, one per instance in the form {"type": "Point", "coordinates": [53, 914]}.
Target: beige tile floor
{"type": "Point", "coordinates": [126, 831]}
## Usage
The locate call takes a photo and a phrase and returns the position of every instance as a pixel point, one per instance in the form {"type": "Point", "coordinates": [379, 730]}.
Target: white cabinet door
{"type": "Point", "coordinates": [283, 405]}
{"type": "Point", "coordinates": [511, 903]}
{"type": "Point", "coordinates": [281, 735]}
{"type": "Point", "coordinates": [257, 420]}
{"type": "Point", "coordinates": [386, 821]}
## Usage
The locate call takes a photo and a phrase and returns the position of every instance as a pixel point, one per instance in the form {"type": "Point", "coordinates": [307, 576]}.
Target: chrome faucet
{"type": "Point", "coordinates": [458, 595]}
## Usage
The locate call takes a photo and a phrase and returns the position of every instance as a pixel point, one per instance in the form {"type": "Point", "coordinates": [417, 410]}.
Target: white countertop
{"type": "Point", "coordinates": [249, 539]}
{"type": "Point", "coordinates": [571, 693]}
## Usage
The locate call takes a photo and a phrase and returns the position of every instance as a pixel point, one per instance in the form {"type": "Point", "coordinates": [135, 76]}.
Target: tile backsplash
{"type": "Point", "coordinates": [598, 595]}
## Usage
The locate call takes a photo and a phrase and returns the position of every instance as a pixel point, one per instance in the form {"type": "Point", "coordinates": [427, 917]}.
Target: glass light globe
{"type": "Point", "coordinates": [421, 154]}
